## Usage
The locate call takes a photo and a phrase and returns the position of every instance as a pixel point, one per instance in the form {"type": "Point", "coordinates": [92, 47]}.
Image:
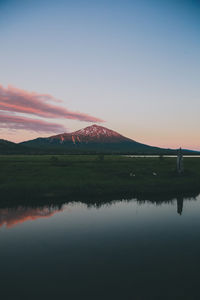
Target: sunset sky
{"type": "Point", "coordinates": [132, 66]}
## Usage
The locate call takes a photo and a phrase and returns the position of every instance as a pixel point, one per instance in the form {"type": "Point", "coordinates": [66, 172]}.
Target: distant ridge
{"type": "Point", "coordinates": [7, 147]}
{"type": "Point", "coordinates": [94, 139]}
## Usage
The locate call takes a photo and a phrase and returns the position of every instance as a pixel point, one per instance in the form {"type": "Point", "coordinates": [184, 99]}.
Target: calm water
{"type": "Point", "coordinates": [123, 250]}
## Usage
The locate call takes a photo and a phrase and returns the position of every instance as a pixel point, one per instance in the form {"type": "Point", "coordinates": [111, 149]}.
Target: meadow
{"type": "Point", "coordinates": [31, 178]}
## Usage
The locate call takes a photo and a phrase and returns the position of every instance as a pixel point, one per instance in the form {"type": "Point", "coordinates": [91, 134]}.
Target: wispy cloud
{"type": "Point", "coordinates": [17, 100]}
{"type": "Point", "coordinates": [16, 122]}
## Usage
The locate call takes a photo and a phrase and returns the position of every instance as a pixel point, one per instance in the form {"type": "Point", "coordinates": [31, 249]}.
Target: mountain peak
{"type": "Point", "coordinates": [96, 130]}
{"type": "Point", "coordinates": [90, 134]}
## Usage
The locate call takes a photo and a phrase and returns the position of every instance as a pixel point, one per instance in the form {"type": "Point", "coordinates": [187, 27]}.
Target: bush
{"type": "Point", "coordinates": [100, 157]}
{"type": "Point", "coordinates": [54, 160]}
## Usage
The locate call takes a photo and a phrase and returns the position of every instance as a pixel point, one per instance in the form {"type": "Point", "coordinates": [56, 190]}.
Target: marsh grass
{"type": "Point", "coordinates": [91, 176]}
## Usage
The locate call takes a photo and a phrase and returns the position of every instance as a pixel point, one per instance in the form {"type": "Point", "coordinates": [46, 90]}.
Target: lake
{"type": "Point", "coordinates": [118, 250]}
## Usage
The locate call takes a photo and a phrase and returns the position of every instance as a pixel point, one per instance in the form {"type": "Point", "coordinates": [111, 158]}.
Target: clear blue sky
{"type": "Point", "coordinates": [134, 64]}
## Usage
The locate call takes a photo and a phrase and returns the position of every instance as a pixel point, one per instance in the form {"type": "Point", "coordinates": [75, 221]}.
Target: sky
{"type": "Point", "coordinates": [131, 66]}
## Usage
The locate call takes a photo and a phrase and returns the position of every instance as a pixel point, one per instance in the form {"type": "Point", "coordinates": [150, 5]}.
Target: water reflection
{"type": "Point", "coordinates": [125, 249]}
{"type": "Point", "coordinates": [180, 205]}
{"type": "Point", "coordinates": [12, 216]}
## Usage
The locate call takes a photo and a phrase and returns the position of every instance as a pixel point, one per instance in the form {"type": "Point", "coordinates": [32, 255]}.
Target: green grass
{"type": "Point", "coordinates": [79, 176]}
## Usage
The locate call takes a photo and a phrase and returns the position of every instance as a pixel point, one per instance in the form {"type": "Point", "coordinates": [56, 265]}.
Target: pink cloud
{"type": "Point", "coordinates": [15, 122]}
{"type": "Point", "coordinates": [17, 100]}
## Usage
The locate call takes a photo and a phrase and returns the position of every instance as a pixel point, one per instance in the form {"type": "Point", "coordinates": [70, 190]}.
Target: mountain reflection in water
{"type": "Point", "coordinates": [16, 215]}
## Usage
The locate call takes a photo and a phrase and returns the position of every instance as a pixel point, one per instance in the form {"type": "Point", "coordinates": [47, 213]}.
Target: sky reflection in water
{"type": "Point", "coordinates": [125, 249]}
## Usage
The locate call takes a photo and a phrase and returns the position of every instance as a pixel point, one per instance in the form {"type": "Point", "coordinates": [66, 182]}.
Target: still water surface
{"type": "Point", "coordinates": [122, 250]}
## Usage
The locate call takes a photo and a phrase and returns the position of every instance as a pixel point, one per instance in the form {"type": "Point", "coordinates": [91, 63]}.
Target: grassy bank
{"type": "Point", "coordinates": [79, 176]}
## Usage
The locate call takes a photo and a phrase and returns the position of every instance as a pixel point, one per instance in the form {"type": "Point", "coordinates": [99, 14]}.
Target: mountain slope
{"type": "Point", "coordinates": [7, 147]}
{"type": "Point", "coordinates": [95, 139]}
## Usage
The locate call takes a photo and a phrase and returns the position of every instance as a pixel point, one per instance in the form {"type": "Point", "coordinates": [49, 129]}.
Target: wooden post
{"type": "Point", "coordinates": [179, 161]}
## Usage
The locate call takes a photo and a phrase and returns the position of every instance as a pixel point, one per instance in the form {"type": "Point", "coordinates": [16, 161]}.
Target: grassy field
{"type": "Point", "coordinates": [78, 176]}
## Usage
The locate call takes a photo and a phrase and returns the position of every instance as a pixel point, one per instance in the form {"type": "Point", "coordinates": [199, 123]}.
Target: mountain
{"type": "Point", "coordinates": [91, 134]}
{"type": "Point", "coordinates": [7, 147]}
{"type": "Point", "coordinates": [92, 139]}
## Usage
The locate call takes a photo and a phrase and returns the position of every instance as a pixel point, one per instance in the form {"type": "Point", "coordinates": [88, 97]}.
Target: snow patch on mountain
{"type": "Point", "coordinates": [96, 130]}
